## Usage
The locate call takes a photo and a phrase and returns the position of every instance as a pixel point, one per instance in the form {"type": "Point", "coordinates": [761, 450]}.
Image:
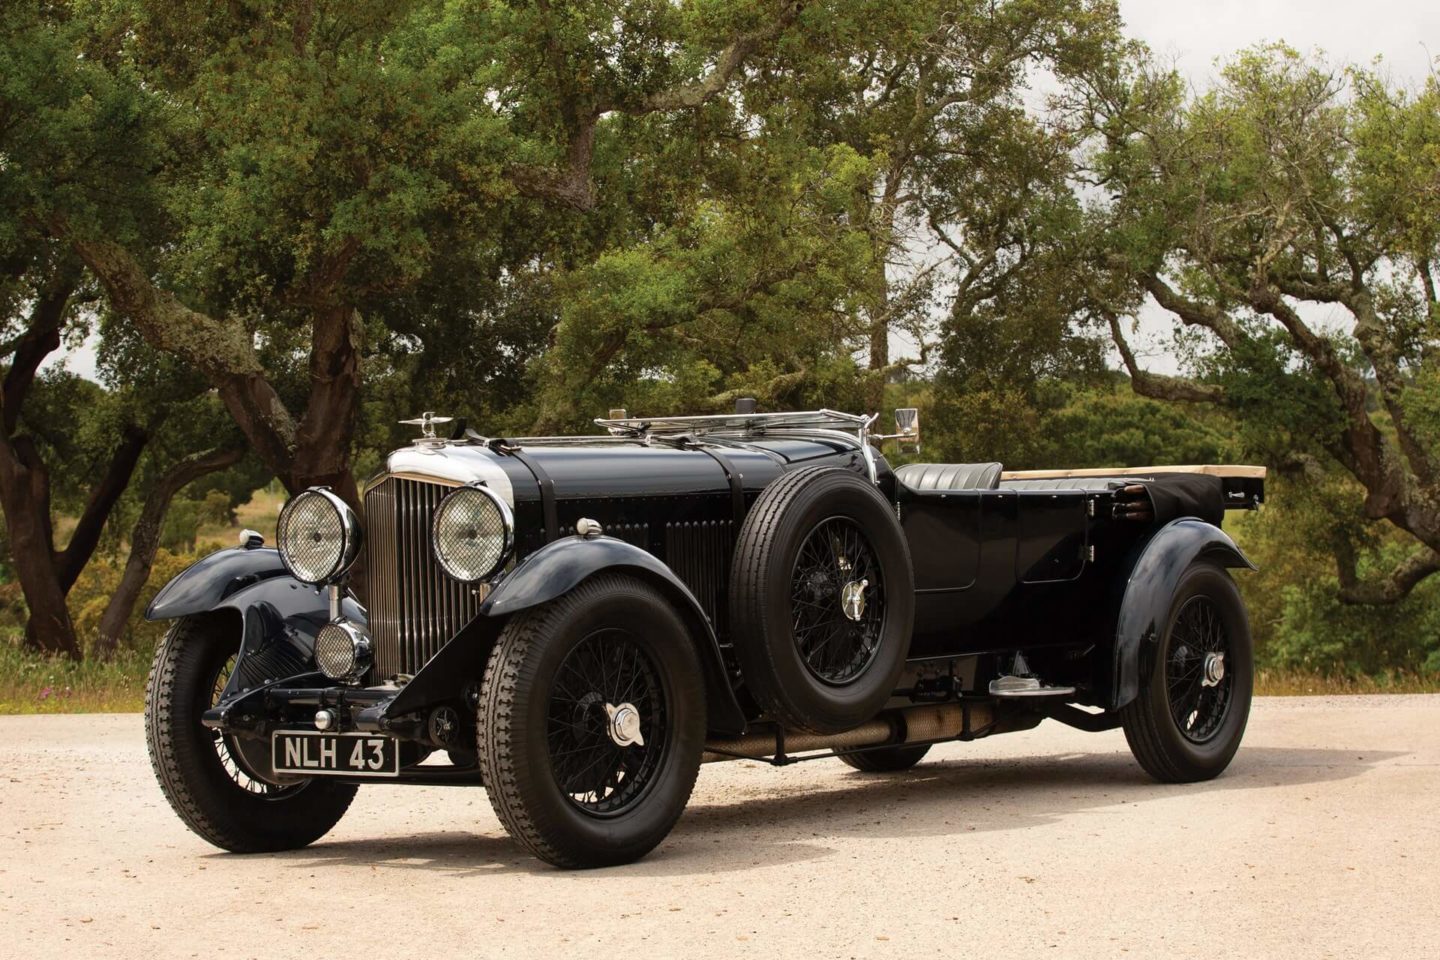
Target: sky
{"type": "Point", "coordinates": [1405, 32]}
{"type": "Point", "coordinates": [1193, 35]}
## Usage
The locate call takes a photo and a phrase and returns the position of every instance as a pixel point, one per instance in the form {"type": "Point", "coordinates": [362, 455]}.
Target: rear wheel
{"type": "Point", "coordinates": [202, 773]}
{"type": "Point", "coordinates": [1188, 718]}
{"type": "Point", "coordinates": [592, 723]}
{"type": "Point", "coordinates": [885, 759]}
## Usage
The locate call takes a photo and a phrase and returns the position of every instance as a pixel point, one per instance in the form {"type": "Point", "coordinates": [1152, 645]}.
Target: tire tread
{"type": "Point", "coordinates": [179, 769]}
{"type": "Point", "coordinates": [510, 676]}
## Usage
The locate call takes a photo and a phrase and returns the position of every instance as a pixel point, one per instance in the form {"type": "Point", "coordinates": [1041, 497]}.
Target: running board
{"type": "Point", "coordinates": [1028, 688]}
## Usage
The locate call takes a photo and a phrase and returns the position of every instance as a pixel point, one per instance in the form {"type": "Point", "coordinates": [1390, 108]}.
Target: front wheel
{"type": "Point", "coordinates": [1187, 720]}
{"type": "Point", "coordinates": [203, 773]}
{"type": "Point", "coordinates": [592, 723]}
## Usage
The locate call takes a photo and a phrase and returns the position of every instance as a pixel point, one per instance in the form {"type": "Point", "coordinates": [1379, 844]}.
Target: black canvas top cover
{"type": "Point", "coordinates": [1175, 495]}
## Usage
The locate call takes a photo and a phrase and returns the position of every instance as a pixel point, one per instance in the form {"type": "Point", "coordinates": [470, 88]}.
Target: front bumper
{"type": "Point", "coordinates": [249, 720]}
{"type": "Point", "coordinates": [292, 703]}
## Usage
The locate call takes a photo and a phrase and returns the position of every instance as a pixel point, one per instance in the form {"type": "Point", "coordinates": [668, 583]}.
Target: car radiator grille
{"type": "Point", "coordinates": [414, 608]}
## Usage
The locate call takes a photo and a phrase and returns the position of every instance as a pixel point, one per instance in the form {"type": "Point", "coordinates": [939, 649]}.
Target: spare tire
{"type": "Point", "coordinates": [822, 599]}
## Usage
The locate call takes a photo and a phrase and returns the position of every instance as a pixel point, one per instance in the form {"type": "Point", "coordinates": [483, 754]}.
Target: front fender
{"type": "Point", "coordinates": [1151, 589]}
{"type": "Point", "coordinates": [559, 567]}
{"type": "Point", "coordinates": [202, 586]}
{"type": "Point", "coordinates": [278, 615]}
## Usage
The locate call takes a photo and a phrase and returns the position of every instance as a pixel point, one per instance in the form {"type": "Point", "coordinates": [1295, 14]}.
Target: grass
{"type": "Point", "coordinates": [32, 684]}
{"type": "Point", "coordinates": [1291, 683]}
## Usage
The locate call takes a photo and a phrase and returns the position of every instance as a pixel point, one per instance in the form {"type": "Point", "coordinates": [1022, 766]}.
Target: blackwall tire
{"type": "Point", "coordinates": [559, 781]}
{"type": "Point", "coordinates": [1180, 729]}
{"type": "Point", "coordinates": [777, 572]}
{"type": "Point", "coordinates": [203, 780]}
{"type": "Point", "coordinates": [885, 759]}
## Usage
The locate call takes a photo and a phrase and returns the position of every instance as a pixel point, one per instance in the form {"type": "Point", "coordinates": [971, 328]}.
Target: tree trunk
{"type": "Point", "coordinates": [25, 481]}
{"type": "Point", "coordinates": [25, 498]}
{"type": "Point", "coordinates": [882, 244]}
{"type": "Point", "coordinates": [322, 441]}
{"type": "Point", "coordinates": [145, 541]}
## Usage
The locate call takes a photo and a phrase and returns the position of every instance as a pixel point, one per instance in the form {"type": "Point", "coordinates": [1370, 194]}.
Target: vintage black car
{"type": "Point", "coordinates": [577, 623]}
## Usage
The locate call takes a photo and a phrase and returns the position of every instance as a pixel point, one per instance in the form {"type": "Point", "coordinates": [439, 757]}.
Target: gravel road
{"type": "Point", "coordinates": [1320, 841]}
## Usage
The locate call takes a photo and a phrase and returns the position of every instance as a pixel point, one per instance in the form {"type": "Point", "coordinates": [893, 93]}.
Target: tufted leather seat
{"type": "Point", "coordinates": [1093, 484]}
{"type": "Point", "coordinates": [950, 476]}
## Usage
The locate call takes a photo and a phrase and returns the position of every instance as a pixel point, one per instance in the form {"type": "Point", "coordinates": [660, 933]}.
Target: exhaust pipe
{"type": "Point", "coordinates": [919, 724]}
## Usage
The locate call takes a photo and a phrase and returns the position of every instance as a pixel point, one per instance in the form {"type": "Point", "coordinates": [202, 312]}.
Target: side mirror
{"type": "Point", "coordinates": [907, 423]}
{"type": "Point", "coordinates": [907, 428]}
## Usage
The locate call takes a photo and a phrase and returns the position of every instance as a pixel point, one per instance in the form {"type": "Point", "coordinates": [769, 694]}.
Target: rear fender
{"type": "Point", "coordinates": [559, 567]}
{"type": "Point", "coordinates": [1150, 592]}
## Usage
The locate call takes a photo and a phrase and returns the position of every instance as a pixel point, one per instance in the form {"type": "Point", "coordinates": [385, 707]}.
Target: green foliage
{"type": "Point", "coordinates": [1298, 621]}
{"type": "Point", "coordinates": [182, 524]}
{"type": "Point", "coordinates": [1075, 424]}
{"type": "Point", "coordinates": [1318, 633]}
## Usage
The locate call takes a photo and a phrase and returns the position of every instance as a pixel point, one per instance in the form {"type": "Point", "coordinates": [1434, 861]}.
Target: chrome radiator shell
{"type": "Point", "coordinates": [414, 608]}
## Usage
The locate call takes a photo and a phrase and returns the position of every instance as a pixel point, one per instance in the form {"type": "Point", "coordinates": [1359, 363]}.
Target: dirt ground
{"type": "Point", "coordinates": [1321, 841]}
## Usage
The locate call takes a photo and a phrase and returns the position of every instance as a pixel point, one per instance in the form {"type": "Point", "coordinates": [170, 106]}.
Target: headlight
{"type": "Point", "coordinates": [318, 536]}
{"type": "Point", "coordinates": [342, 651]}
{"type": "Point", "coordinates": [473, 533]}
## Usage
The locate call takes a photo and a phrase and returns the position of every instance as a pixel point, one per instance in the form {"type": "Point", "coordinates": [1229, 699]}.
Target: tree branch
{"type": "Point", "coordinates": [1367, 452]}
{"type": "Point", "coordinates": [1159, 386]}
{"type": "Point", "coordinates": [696, 94]}
{"type": "Point", "coordinates": [221, 349]}
{"type": "Point", "coordinates": [1192, 312]}
{"type": "Point", "coordinates": [1379, 348]}
{"type": "Point", "coordinates": [40, 339]}
{"type": "Point", "coordinates": [773, 392]}
{"type": "Point", "coordinates": [1390, 590]}
{"type": "Point", "coordinates": [103, 496]}
{"type": "Point", "coordinates": [571, 184]}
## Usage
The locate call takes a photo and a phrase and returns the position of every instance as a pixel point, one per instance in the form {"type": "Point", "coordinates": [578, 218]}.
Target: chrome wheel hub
{"type": "Point", "coordinates": [1214, 669]}
{"type": "Point", "coordinates": [852, 599]}
{"type": "Point", "coordinates": [624, 725]}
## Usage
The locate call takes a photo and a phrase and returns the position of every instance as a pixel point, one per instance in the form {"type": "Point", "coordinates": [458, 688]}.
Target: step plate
{"type": "Point", "coordinates": [1016, 688]}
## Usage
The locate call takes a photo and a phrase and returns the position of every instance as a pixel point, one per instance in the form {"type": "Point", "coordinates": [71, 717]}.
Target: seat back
{"type": "Point", "coordinates": [1090, 484]}
{"type": "Point", "coordinates": [950, 476]}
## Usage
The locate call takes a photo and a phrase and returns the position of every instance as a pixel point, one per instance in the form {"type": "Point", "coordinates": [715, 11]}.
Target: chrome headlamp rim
{"type": "Point", "coordinates": [352, 535]}
{"type": "Point", "coordinates": [355, 642]}
{"type": "Point", "coordinates": [507, 527]}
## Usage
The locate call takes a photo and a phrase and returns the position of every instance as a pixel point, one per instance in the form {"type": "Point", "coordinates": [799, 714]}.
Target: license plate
{"type": "Point", "coordinates": [334, 754]}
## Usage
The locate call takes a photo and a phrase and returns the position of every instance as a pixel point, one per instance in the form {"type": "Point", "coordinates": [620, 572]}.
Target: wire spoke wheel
{"type": "Point", "coordinates": [1199, 649]}
{"type": "Point", "coordinates": [229, 759]}
{"type": "Point", "coordinates": [837, 597]}
{"type": "Point", "coordinates": [821, 600]}
{"type": "Point", "coordinates": [606, 723]}
{"type": "Point", "coordinates": [592, 722]}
